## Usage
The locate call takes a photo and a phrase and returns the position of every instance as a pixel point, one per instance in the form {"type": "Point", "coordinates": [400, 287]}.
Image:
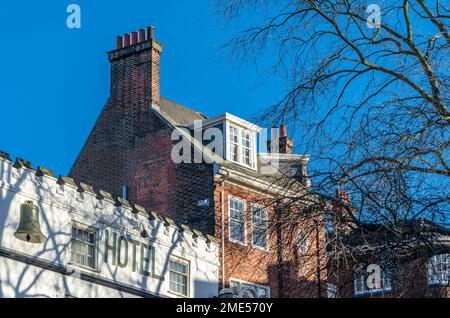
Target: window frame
{"type": "Point", "coordinates": [245, 242]}
{"type": "Point", "coordinates": [240, 145]}
{"type": "Point", "coordinates": [246, 136]}
{"type": "Point", "coordinates": [433, 276]}
{"type": "Point", "coordinates": [186, 263]}
{"type": "Point", "coordinates": [91, 230]}
{"type": "Point", "coordinates": [303, 250]}
{"type": "Point", "coordinates": [360, 275]}
{"type": "Point", "coordinates": [260, 207]}
{"type": "Point", "coordinates": [231, 143]}
{"type": "Point", "coordinates": [332, 291]}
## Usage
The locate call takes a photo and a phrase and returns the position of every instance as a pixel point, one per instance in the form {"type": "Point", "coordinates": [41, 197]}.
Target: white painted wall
{"type": "Point", "coordinates": [59, 207]}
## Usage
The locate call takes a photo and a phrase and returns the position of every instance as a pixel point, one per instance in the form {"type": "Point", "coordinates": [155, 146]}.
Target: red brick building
{"type": "Point", "coordinates": [410, 257]}
{"type": "Point", "coordinates": [228, 193]}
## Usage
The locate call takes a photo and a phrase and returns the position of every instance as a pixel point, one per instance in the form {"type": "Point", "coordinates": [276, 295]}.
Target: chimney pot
{"type": "Point", "coordinates": [283, 131]}
{"type": "Point", "coordinates": [151, 33]}
{"type": "Point", "coordinates": [286, 143]}
{"type": "Point", "coordinates": [142, 35]}
{"type": "Point", "coordinates": [119, 42]}
{"type": "Point", "coordinates": [134, 38]}
{"type": "Point", "coordinates": [127, 40]}
{"type": "Point", "coordinates": [341, 194]}
{"type": "Point", "coordinates": [122, 73]}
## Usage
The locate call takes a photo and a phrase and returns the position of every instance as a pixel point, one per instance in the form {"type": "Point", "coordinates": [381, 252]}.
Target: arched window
{"type": "Point", "coordinates": [439, 269]}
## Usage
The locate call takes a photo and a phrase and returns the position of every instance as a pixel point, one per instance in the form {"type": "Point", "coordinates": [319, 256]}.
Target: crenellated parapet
{"type": "Point", "coordinates": [41, 185]}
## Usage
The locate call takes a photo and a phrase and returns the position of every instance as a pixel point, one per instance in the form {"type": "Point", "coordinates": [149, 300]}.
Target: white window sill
{"type": "Point", "coordinates": [243, 165]}
{"type": "Point", "coordinates": [262, 249]}
{"type": "Point", "coordinates": [76, 266]}
{"type": "Point", "coordinates": [237, 242]}
{"type": "Point", "coordinates": [177, 294]}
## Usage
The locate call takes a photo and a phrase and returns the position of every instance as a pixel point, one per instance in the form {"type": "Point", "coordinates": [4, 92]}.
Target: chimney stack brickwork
{"type": "Point", "coordinates": [135, 65]}
{"type": "Point", "coordinates": [109, 158]}
{"type": "Point", "coordinates": [286, 143]}
{"type": "Point", "coordinates": [131, 146]}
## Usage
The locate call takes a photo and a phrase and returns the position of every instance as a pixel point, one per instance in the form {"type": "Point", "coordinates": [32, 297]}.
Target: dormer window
{"type": "Point", "coordinates": [241, 146]}
{"type": "Point", "coordinates": [239, 138]}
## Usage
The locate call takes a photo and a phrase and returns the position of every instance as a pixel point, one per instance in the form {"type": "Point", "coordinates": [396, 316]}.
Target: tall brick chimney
{"type": "Point", "coordinates": [135, 70]}
{"type": "Point", "coordinates": [342, 220]}
{"type": "Point", "coordinates": [286, 143]}
{"type": "Point", "coordinates": [109, 157]}
{"type": "Point", "coordinates": [342, 195]}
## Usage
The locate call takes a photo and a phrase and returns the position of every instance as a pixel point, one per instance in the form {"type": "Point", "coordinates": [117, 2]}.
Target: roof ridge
{"type": "Point", "coordinates": [184, 106]}
{"type": "Point", "coordinates": [133, 206]}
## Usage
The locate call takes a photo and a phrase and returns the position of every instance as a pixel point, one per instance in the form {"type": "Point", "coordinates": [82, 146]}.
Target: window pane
{"type": "Point", "coordinates": [237, 220]}
{"type": "Point", "coordinates": [237, 215]}
{"type": "Point", "coordinates": [91, 250]}
{"type": "Point", "coordinates": [237, 231]}
{"type": "Point", "coordinates": [83, 248]}
{"type": "Point", "coordinates": [233, 135]}
{"type": "Point", "coordinates": [259, 217]}
{"type": "Point", "coordinates": [234, 144]}
{"type": "Point", "coordinates": [178, 273]}
{"type": "Point", "coordinates": [439, 269]}
{"type": "Point", "coordinates": [246, 147]}
{"type": "Point", "coordinates": [260, 226]}
{"type": "Point", "coordinates": [302, 242]}
{"type": "Point", "coordinates": [260, 238]}
{"type": "Point", "coordinates": [246, 157]}
{"type": "Point", "coordinates": [331, 290]}
{"type": "Point", "coordinates": [233, 152]}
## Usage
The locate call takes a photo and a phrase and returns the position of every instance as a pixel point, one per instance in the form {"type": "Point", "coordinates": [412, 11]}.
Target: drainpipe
{"type": "Point", "coordinates": [224, 178]}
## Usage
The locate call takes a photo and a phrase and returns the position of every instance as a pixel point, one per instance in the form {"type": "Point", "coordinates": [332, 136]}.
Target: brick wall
{"type": "Point", "coordinates": [288, 273]}
{"type": "Point", "coordinates": [143, 163]}
{"type": "Point", "coordinates": [104, 159]}
{"type": "Point", "coordinates": [410, 280]}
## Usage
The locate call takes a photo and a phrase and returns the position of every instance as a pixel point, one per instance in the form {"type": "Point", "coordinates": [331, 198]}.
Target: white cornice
{"type": "Point", "coordinates": [259, 184]}
{"type": "Point", "coordinates": [282, 156]}
{"type": "Point", "coordinates": [229, 118]}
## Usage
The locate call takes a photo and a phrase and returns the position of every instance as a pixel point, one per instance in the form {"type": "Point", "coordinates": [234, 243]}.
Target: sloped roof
{"type": "Point", "coordinates": [178, 114]}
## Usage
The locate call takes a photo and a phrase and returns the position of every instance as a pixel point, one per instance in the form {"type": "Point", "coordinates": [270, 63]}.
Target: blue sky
{"type": "Point", "coordinates": [55, 81]}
